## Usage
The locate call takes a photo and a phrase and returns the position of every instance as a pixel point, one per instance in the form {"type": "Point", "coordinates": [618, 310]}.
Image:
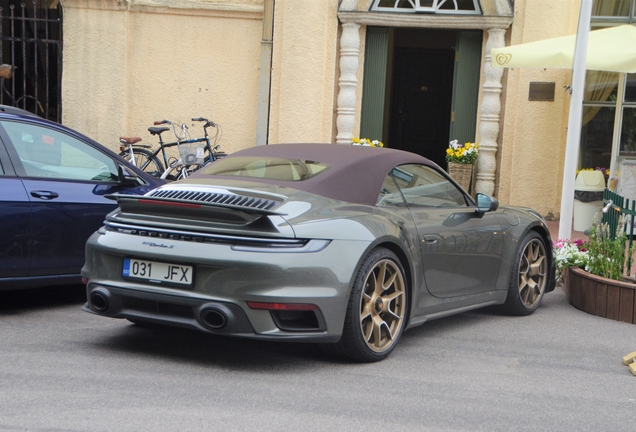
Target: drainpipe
{"type": "Point", "coordinates": [262, 123]}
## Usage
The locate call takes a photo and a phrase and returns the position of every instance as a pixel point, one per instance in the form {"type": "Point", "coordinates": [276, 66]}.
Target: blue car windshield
{"type": "Point", "coordinates": [265, 168]}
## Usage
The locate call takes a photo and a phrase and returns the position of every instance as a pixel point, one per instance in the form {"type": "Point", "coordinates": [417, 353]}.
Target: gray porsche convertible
{"type": "Point", "coordinates": [347, 246]}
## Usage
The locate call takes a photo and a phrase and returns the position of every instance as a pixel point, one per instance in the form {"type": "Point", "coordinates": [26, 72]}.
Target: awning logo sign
{"type": "Point", "coordinates": [502, 59]}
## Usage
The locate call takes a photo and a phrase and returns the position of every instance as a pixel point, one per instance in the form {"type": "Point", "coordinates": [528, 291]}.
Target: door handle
{"type": "Point", "coordinates": [45, 195]}
{"type": "Point", "coordinates": [431, 239]}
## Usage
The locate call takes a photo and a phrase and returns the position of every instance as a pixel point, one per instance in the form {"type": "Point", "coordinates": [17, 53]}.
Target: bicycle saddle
{"type": "Point", "coordinates": [157, 130]}
{"type": "Point", "coordinates": [129, 140]}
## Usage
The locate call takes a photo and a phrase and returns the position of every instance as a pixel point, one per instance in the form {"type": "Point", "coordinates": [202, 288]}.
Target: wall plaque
{"type": "Point", "coordinates": [541, 91]}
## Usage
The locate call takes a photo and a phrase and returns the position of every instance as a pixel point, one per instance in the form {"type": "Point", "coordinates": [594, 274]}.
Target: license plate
{"type": "Point", "coordinates": [158, 272]}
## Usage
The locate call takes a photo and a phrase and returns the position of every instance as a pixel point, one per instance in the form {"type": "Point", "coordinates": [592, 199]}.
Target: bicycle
{"type": "Point", "coordinates": [192, 153]}
{"type": "Point", "coordinates": [192, 156]}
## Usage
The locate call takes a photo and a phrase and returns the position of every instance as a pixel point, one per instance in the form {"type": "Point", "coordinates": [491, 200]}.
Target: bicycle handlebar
{"type": "Point", "coordinates": [197, 119]}
{"type": "Point", "coordinates": [207, 122]}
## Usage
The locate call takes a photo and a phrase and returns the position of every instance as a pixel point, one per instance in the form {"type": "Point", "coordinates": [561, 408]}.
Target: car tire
{"type": "Point", "coordinates": [377, 310]}
{"type": "Point", "coordinates": [529, 277]}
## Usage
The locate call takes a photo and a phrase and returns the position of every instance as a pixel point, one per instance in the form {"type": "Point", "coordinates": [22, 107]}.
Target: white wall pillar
{"type": "Point", "coordinates": [348, 82]}
{"type": "Point", "coordinates": [490, 115]}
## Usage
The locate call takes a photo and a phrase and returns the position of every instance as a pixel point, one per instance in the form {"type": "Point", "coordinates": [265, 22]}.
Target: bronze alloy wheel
{"type": "Point", "coordinates": [529, 277]}
{"type": "Point", "coordinates": [377, 310]}
{"type": "Point", "coordinates": [532, 273]}
{"type": "Point", "coordinates": [382, 305]}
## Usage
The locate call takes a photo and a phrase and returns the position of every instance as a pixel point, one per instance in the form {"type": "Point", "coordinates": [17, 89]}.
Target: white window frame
{"type": "Point", "coordinates": [416, 6]}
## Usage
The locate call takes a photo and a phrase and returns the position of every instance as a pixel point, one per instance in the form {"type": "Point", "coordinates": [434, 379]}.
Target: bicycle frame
{"type": "Point", "coordinates": [206, 138]}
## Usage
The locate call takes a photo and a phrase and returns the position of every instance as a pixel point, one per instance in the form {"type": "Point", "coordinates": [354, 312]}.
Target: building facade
{"type": "Point", "coordinates": [412, 73]}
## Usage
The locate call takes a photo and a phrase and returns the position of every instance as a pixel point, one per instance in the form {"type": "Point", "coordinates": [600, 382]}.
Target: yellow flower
{"type": "Point", "coordinates": [367, 142]}
{"type": "Point", "coordinates": [462, 153]}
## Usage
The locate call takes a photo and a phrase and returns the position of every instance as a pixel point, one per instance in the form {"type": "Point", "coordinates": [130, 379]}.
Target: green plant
{"type": "Point", "coordinates": [607, 256]}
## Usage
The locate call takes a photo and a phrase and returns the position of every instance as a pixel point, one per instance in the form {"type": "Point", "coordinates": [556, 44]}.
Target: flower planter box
{"type": "Point", "coordinates": [462, 174]}
{"type": "Point", "coordinates": [599, 296]}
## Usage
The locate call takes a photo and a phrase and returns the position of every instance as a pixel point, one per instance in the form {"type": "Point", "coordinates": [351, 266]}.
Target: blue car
{"type": "Point", "coordinates": [52, 186]}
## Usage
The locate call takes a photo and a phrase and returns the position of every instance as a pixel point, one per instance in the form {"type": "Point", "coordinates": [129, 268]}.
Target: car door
{"type": "Point", "coordinates": [65, 180]}
{"type": "Point", "coordinates": [15, 222]}
{"type": "Point", "coordinates": [461, 249]}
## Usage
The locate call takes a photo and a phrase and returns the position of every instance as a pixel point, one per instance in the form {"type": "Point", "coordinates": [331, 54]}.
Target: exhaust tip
{"type": "Point", "coordinates": [213, 318]}
{"type": "Point", "coordinates": [99, 301]}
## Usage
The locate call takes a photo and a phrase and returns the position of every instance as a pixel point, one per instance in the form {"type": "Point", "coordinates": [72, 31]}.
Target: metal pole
{"type": "Point", "coordinates": [574, 120]}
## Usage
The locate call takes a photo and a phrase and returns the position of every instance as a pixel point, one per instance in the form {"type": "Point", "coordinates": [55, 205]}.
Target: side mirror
{"type": "Point", "coordinates": [486, 203]}
{"type": "Point", "coordinates": [126, 177]}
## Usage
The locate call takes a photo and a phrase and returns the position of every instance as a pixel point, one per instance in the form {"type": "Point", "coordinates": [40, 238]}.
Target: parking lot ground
{"type": "Point", "coordinates": [559, 369]}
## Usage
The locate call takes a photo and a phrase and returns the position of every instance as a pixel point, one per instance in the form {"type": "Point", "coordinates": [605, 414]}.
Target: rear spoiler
{"type": "Point", "coordinates": [128, 202]}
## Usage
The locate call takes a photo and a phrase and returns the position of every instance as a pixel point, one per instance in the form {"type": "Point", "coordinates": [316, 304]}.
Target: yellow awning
{"type": "Point", "coordinates": [610, 49]}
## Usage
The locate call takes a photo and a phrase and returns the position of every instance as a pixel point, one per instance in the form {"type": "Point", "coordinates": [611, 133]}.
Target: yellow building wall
{"type": "Point", "coordinates": [304, 71]}
{"type": "Point", "coordinates": [127, 64]}
{"type": "Point", "coordinates": [532, 143]}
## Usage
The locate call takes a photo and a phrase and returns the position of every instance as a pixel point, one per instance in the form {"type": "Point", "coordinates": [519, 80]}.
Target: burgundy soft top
{"type": "Point", "coordinates": [356, 174]}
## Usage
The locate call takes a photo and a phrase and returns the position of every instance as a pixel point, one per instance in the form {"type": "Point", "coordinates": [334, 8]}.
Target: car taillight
{"type": "Point", "coordinates": [85, 281]}
{"type": "Point", "coordinates": [282, 306]}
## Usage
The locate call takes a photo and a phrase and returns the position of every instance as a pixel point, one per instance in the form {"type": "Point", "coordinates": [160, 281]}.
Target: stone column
{"type": "Point", "coordinates": [489, 118]}
{"type": "Point", "coordinates": [348, 82]}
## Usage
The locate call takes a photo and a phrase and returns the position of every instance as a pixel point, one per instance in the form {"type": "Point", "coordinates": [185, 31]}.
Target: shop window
{"type": "Point", "coordinates": [628, 122]}
{"type": "Point", "coordinates": [596, 138]}
{"type": "Point", "coordinates": [613, 11]}
{"type": "Point", "coordinates": [608, 134]}
{"type": "Point", "coordinates": [599, 108]}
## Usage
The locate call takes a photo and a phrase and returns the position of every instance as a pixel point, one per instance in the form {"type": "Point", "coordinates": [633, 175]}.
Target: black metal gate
{"type": "Point", "coordinates": [31, 56]}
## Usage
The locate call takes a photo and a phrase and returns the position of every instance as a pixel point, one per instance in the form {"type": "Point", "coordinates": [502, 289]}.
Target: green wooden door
{"type": "Point", "coordinates": [466, 86]}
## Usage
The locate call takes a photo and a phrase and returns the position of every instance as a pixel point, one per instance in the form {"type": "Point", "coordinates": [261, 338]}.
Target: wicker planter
{"type": "Point", "coordinates": [599, 296]}
{"type": "Point", "coordinates": [462, 174]}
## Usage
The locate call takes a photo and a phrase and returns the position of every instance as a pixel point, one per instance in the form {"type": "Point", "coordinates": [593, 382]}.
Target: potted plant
{"type": "Point", "coordinates": [461, 160]}
{"type": "Point", "coordinates": [367, 142]}
{"type": "Point", "coordinates": [593, 273]}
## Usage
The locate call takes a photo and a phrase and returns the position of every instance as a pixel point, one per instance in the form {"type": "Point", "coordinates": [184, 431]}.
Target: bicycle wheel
{"type": "Point", "coordinates": [144, 160]}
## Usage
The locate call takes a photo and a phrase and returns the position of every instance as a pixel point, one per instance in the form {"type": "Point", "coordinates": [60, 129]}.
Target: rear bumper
{"type": "Point", "coordinates": [215, 317]}
{"type": "Point", "coordinates": [225, 281]}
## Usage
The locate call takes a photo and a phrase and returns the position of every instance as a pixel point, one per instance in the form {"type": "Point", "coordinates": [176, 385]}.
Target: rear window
{"type": "Point", "coordinates": [273, 169]}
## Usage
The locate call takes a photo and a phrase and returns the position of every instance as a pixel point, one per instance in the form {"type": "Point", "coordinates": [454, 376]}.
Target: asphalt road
{"type": "Point", "coordinates": [560, 369]}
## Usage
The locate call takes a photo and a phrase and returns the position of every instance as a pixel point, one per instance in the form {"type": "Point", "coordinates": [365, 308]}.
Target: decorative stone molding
{"type": "Point", "coordinates": [489, 118]}
{"type": "Point", "coordinates": [348, 82]}
{"type": "Point", "coordinates": [503, 7]}
{"type": "Point", "coordinates": [175, 7]}
{"type": "Point", "coordinates": [348, 5]}
{"type": "Point", "coordinates": [433, 21]}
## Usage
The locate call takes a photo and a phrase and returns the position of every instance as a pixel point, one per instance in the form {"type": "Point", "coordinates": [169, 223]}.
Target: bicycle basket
{"type": "Point", "coordinates": [192, 153]}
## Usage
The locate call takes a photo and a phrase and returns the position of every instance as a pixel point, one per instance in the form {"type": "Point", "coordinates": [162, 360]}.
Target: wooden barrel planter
{"type": "Point", "coordinates": [599, 296]}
